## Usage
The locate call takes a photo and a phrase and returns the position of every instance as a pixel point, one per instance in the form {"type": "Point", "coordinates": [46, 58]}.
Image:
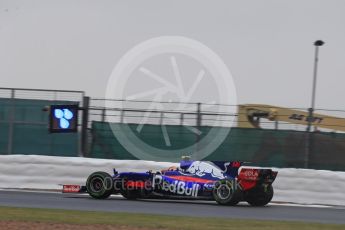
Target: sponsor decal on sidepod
{"type": "Point", "coordinates": [181, 188]}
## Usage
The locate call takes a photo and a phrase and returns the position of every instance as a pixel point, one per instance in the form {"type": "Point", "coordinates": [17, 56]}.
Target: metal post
{"type": "Point", "coordinates": [85, 121]}
{"type": "Point", "coordinates": [316, 61]}
{"type": "Point", "coordinates": [161, 118]}
{"type": "Point", "coordinates": [10, 123]}
{"type": "Point", "coordinates": [307, 150]}
{"type": "Point", "coordinates": [308, 144]}
{"type": "Point", "coordinates": [181, 118]}
{"type": "Point", "coordinates": [198, 124]}
{"type": "Point", "coordinates": [198, 119]}
{"type": "Point", "coordinates": [122, 116]}
{"type": "Point", "coordinates": [103, 115]}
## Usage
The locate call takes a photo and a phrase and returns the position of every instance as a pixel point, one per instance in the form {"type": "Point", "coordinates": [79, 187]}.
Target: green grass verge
{"type": "Point", "coordinates": [149, 221]}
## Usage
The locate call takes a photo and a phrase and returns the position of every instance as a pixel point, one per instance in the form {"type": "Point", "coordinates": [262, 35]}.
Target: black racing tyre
{"type": "Point", "coordinates": [260, 196]}
{"type": "Point", "coordinates": [226, 192]}
{"type": "Point", "coordinates": [100, 185]}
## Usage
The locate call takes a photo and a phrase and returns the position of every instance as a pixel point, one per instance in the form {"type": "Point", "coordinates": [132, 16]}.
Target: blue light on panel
{"type": "Point", "coordinates": [63, 118]}
{"type": "Point", "coordinates": [64, 124]}
{"type": "Point", "coordinates": [58, 113]}
{"type": "Point", "coordinates": [67, 114]}
{"type": "Point", "coordinates": [63, 115]}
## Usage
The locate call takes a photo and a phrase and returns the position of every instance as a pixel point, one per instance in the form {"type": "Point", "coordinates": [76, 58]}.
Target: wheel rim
{"type": "Point", "coordinates": [224, 191]}
{"type": "Point", "coordinates": [96, 184]}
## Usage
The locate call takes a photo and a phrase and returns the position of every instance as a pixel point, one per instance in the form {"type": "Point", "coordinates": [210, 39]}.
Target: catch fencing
{"type": "Point", "coordinates": [24, 122]}
{"type": "Point", "coordinates": [164, 126]}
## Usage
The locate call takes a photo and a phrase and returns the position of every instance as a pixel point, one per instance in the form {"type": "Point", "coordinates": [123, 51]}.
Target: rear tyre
{"type": "Point", "coordinates": [100, 185]}
{"type": "Point", "coordinates": [260, 196]}
{"type": "Point", "coordinates": [225, 192]}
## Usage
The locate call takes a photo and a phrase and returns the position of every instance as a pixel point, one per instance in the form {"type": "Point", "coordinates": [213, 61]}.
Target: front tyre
{"type": "Point", "coordinates": [100, 185]}
{"type": "Point", "coordinates": [225, 192]}
{"type": "Point", "coordinates": [260, 196]}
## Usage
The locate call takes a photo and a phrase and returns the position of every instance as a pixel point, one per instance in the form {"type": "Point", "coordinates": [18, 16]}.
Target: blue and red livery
{"type": "Point", "coordinates": [228, 183]}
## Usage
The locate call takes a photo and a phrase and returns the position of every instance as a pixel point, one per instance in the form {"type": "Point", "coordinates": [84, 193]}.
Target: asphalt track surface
{"type": "Point", "coordinates": [172, 207]}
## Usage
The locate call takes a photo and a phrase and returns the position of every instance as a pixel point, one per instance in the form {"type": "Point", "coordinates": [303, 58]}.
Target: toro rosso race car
{"type": "Point", "coordinates": [225, 182]}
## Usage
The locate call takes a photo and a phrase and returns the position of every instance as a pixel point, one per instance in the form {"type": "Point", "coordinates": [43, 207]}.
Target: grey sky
{"type": "Point", "coordinates": [267, 45]}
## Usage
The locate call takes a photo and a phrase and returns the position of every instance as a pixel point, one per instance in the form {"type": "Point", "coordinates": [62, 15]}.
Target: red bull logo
{"type": "Point", "coordinates": [180, 187]}
{"type": "Point", "coordinates": [201, 169]}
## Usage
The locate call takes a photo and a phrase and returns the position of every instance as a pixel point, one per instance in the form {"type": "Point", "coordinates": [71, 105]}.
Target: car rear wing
{"type": "Point", "coordinates": [249, 178]}
{"type": "Point", "coordinates": [257, 174]}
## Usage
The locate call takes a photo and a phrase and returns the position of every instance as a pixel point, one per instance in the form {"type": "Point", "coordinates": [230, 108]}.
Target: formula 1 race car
{"type": "Point", "coordinates": [224, 182]}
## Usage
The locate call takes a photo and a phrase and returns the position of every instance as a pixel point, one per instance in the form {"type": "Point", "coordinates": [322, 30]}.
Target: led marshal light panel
{"type": "Point", "coordinates": [63, 118]}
